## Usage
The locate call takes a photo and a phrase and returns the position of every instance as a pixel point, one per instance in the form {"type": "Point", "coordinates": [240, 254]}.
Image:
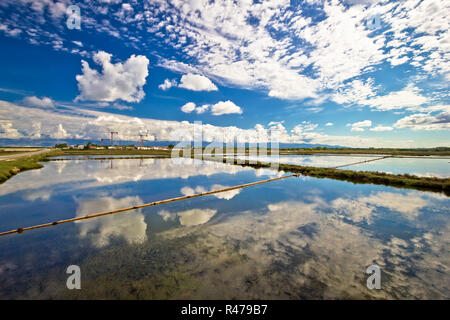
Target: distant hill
{"type": "Point", "coordinates": [52, 142]}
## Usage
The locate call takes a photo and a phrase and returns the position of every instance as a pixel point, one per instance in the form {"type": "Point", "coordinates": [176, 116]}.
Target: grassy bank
{"type": "Point", "coordinates": [393, 152]}
{"type": "Point", "coordinates": [7, 153]}
{"type": "Point", "coordinates": [8, 168]}
{"type": "Point", "coordinates": [443, 152]}
{"type": "Point", "coordinates": [112, 152]}
{"type": "Point", "coordinates": [362, 177]}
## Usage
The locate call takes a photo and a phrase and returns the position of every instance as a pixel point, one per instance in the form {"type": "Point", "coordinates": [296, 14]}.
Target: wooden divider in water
{"type": "Point", "coordinates": [155, 203]}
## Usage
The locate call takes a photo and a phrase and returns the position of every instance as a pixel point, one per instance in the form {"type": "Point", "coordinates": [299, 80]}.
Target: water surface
{"type": "Point", "coordinates": [310, 160]}
{"type": "Point", "coordinates": [298, 238]}
{"type": "Point", "coordinates": [419, 166]}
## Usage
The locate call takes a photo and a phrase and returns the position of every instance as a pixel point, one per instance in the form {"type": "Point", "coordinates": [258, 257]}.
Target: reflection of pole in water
{"type": "Point", "coordinates": [140, 162]}
{"type": "Point", "coordinates": [111, 164]}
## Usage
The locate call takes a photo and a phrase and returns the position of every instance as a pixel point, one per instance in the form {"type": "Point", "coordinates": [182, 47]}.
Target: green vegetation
{"type": "Point", "coordinates": [7, 153]}
{"type": "Point", "coordinates": [99, 152]}
{"type": "Point", "coordinates": [440, 151]}
{"type": "Point", "coordinates": [8, 168]}
{"type": "Point", "coordinates": [361, 177]}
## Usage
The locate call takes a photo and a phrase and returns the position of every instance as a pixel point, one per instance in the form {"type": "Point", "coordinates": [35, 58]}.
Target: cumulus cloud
{"type": "Point", "coordinates": [34, 101]}
{"type": "Point", "coordinates": [225, 107]}
{"type": "Point", "coordinates": [270, 45]}
{"type": "Point", "coordinates": [131, 226]}
{"type": "Point", "coordinates": [196, 82]}
{"type": "Point", "coordinates": [188, 107]}
{"type": "Point", "coordinates": [122, 81]}
{"type": "Point", "coordinates": [89, 124]}
{"type": "Point", "coordinates": [167, 84]}
{"type": "Point", "coordinates": [218, 109]}
{"type": "Point", "coordinates": [359, 126]}
{"type": "Point", "coordinates": [227, 195]}
{"type": "Point", "coordinates": [7, 131]}
{"type": "Point", "coordinates": [425, 121]}
{"type": "Point", "coordinates": [329, 124]}
{"type": "Point", "coordinates": [189, 218]}
{"type": "Point", "coordinates": [202, 109]}
{"type": "Point", "coordinates": [60, 133]}
{"type": "Point", "coordinates": [191, 107]}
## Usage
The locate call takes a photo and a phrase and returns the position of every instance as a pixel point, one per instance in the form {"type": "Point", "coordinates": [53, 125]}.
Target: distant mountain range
{"type": "Point", "coordinates": [52, 142]}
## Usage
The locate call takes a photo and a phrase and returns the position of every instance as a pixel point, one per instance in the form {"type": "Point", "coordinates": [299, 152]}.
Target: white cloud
{"type": "Point", "coordinates": [92, 125]}
{"type": "Point", "coordinates": [118, 106]}
{"type": "Point", "coordinates": [408, 204]}
{"type": "Point", "coordinates": [225, 107]}
{"type": "Point", "coordinates": [304, 127]}
{"type": "Point", "coordinates": [356, 91]}
{"type": "Point", "coordinates": [220, 108]}
{"type": "Point", "coordinates": [227, 195]}
{"type": "Point", "coordinates": [130, 226]}
{"type": "Point", "coordinates": [268, 45]}
{"type": "Point", "coordinates": [408, 97]}
{"type": "Point", "coordinates": [359, 126]}
{"type": "Point", "coordinates": [7, 131]}
{"type": "Point", "coordinates": [329, 124]}
{"type": "Point", "coordinates": [202, 109]}
{"type": "Point", "coordinates": [188, 107]}
{"type": "Point", "coordinates": [34, 101]}
{"type": "Point", "coordinates": [196, 82]}
{"type": "Point", "coordinates": [189, 218]}
{"type": "Point", "coordinates": [365, 123]}
{"type": "Point", "coordinates": [12, 32]}
{"type": "Point", "coordinates": [425, 121]}
{"type": "Point", "coordinates": [167, 84]}
{"type": "Point", "coordinates": [395, 61]}
{"type": "Point", "coordinates": [381, 128]}
{"type": "Point", "coordinates": [314, 109]}
{"type": "Point", "coordinates": [60, 133]}
{"type": "Point", "coordinates": [117, 81]}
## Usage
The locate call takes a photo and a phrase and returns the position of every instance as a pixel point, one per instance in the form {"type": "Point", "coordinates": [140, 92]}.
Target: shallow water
{"type": "Point", "coordinates": [298, 238]}
{"type": "Point", "coordinates": [421, 167]}
{"type": "Point", "coordinates": [309, 160]}
{"type": "Point", "coordinates": [106, 156]}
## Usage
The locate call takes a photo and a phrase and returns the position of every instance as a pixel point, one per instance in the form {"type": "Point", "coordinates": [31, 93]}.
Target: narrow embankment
{"type": "Point", "coordinates": [441, 185]}
{"type": "Point", "coordinates": [19, 155]}
{"type": "Point", "coordinates": [15, 163]}
{"type": "Point", "coordinates": [360, 162]}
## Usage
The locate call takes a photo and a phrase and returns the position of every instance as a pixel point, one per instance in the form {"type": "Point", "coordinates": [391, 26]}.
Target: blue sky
{"type": "Point", "coordinates": [349, 73]}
